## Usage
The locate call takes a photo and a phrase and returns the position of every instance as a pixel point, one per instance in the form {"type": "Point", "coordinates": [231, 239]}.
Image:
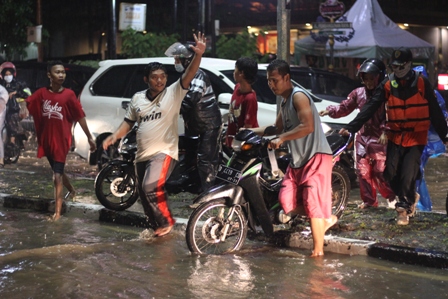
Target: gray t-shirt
{"type": "Point", "coordinates": [303, 149]}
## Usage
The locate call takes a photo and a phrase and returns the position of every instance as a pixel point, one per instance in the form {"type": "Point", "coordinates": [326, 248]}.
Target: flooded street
{"type": "Point", "coordinates": [78, 257]}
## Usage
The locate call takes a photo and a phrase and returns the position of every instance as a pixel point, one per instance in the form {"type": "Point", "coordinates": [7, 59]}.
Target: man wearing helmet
{"type": "Point", "coordinates": [370, 153]}
{"type": "Point", "coordinates": [202, 119]}
{"type": "Point", "coordinates": [411, 107]}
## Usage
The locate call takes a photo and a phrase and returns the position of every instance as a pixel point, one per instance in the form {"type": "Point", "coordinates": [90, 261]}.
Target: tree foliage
{"type": "Point", "coordinates": [15, 17]}
{"type": "Point", "coordinates": [138, 45]}
{"type": "Point", "coordinates": [244, 44]}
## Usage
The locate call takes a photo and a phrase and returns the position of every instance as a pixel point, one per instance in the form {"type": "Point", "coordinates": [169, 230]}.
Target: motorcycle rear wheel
{"type": "Point", "coordinates": [107, 184]}
{"type": "Point", "coordinates": [340, 190]}
{"type": "Point", "coordinates": [205, 228]}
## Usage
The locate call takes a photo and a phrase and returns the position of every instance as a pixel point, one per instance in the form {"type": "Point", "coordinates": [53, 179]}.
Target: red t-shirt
{"type": "Point", "coordinates": [54, 115]}
{"type": "Point", "coordinates": [242, 112]}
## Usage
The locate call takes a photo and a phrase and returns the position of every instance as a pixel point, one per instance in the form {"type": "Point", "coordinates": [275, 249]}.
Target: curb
{"type": "Point", "coordinates": [399, 254]}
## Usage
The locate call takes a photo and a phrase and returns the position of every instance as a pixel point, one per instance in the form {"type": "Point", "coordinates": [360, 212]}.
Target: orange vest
{"type": "Point", "coordinates": [407, 112]}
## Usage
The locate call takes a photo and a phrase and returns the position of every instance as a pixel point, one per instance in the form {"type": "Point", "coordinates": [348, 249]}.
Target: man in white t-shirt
{"type": "Point", "coordinates": [156, 111]}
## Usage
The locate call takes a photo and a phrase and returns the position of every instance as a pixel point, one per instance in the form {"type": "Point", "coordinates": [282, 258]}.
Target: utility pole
{"type": "Point", "coordinates": [112, 36]}
{"type": "Point", "coordinates": [283, 35]}
{"type": "Point", "coordinates": [283, 29]}
{"type": "Point", "coordinates": [40, 52]}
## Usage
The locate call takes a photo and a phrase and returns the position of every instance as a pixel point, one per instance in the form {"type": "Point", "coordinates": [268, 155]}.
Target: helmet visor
{"type": "Point", "coordinates": [179, 50]}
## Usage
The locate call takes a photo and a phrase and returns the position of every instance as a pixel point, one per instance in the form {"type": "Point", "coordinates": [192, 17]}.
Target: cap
{"type": "Point", "coordinates": [401, 56]}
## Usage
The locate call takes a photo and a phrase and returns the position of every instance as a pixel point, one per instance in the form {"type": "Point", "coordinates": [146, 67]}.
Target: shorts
{"type": "Point", "coordinates": [57, 167]}
{"type": "Point", "coordinates": [309, 186]}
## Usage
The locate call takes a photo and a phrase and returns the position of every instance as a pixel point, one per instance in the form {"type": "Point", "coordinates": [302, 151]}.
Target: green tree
{"type": "Point", "coordinates": [15, 17]}
{"type": "Point", "coordinates": [138, 45]}
{"type": "Point", "coordinates": [243, 44]}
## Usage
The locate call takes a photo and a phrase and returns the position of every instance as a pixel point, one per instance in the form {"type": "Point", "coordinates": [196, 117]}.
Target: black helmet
{"type": "Point", "coordinates": [372, 66]}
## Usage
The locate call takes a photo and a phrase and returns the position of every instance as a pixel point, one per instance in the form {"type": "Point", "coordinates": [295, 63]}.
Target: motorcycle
{"type": "Point", "coordinates": [248, 196]}
{"type": "Point", "coordinates": [116, 183]}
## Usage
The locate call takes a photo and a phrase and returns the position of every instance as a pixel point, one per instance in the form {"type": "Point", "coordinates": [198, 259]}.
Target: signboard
{"type": "Point", "coordinates": [34, 34]}
{"type": "Point", "coordinates": [328, 25]}
{"type": "Point", "coordinates": [328, 32]}
{"type": "Point", "coordinates": [331, 9]}
{"type": "Point", "coordinates": [132, 15]}
{"type": "Point", "coordinates": [442, 82]}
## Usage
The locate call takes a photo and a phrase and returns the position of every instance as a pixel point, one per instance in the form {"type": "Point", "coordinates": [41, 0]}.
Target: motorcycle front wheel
{"type": "Point", "coordinates": [116, 187]}
{"type": "Point", "coordinates": [216, 228]}
{"type": "Point", "coordinates": [340, 190]}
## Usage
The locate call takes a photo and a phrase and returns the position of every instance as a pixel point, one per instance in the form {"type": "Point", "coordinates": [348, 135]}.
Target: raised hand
{"type": "Point", "coordinates": [200, 41]}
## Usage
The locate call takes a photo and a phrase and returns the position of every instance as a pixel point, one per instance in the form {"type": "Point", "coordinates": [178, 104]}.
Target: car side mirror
{"type": "Point", "coordinates": [125, 104]}
{"type": "Point", "coordinates": [224, 100]}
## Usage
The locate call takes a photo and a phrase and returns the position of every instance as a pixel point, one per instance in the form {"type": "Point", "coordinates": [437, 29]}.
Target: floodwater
{"type": "Point", "coordinates": [79, 257]}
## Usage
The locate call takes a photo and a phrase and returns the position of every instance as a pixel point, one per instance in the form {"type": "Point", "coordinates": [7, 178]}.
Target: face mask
{"type": "Point", "coordinates": [179, 67]}
{"type": "Point", "coordinates": [401, 72]}
{"type": "Point", "coordinates": [8, 78]}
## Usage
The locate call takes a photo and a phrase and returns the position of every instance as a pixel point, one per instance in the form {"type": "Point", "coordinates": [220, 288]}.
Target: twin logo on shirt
{"type": "Point", "coordinates": [152, 116]}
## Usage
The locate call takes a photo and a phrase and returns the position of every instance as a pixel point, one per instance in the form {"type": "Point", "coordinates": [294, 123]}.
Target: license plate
{"type": "Point", "coordinates": [228, 174]}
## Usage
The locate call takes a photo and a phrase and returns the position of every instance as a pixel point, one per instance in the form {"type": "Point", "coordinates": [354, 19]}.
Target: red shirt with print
{"type": "Point", "coordinates": [242, 112]}
{"type": "Point", "coordinates": [54, 115]}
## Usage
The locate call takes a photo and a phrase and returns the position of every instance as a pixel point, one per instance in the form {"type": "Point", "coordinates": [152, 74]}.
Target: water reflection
{"type": "Point", "coordinates": [81, 258]}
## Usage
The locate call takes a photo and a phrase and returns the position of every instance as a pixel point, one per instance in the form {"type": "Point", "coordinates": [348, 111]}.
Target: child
{"type": "Point", "coordinates": [55, 109]}
{"type": "Point", "coordinates": [243, 107]}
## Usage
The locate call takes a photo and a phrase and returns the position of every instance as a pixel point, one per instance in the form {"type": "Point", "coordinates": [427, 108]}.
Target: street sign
{"type": "Point", "coordinates": [328, 32]}
{"type": "Point", "coordinates": [328, 25]}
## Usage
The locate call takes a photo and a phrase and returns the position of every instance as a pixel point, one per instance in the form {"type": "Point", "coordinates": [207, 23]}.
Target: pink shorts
{"type": "Point", "coordinates": [309, 186]}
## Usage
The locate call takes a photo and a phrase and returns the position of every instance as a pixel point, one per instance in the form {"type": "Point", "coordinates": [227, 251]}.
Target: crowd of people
{"type": "Point", "coordinates": [400, 124]}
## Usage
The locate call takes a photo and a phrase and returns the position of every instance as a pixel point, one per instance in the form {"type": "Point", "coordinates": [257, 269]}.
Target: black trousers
{"type": "Point", "coordinates": [402, 171]}
{"type": "Point", "coordinates": [206, 155]}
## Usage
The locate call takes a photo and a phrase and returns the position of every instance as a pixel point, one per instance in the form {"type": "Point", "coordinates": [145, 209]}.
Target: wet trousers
{"type": "Point", "coordinates": [151, 176]}
{"type": "Point", "coordinates": [402, 171]}
{"type": "Point", "coordinates": [371, 180]}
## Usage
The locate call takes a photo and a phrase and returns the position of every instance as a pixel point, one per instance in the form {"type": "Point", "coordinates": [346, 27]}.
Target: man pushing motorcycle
{"type": "Point", "coordinates": [154, 110]}
{"type": "Point", "coordinates": [306, 186]}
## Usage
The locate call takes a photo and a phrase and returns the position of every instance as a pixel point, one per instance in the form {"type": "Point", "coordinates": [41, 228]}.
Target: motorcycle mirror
{"type": "Point", "coordinates": [271, 130]}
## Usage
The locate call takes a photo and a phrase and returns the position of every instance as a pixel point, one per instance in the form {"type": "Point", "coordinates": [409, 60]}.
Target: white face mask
{"type": "Point", "coordinates": [8, 78]}
{"type": "Point", "coordinates": [179, 67]}
{"type": "Point", "coordinates": [401, 72]}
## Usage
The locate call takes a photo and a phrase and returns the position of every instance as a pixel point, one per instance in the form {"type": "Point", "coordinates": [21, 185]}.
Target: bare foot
{"type": "Point", "coordinates": [330, 222]}
{"type": "Point", "coordinates": [161, 231]}
{"type": "Point", "coordinates": [318, 254]}
{"type": "Point", "coordinates": [54, 218]}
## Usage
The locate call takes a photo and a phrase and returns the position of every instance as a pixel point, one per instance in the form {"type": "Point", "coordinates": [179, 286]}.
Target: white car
{"type": "Point", "coordinates": [106, 95]}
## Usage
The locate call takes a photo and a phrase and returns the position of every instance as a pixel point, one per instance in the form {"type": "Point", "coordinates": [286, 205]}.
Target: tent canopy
{"type": "Point", "coordinates": [374, 35]}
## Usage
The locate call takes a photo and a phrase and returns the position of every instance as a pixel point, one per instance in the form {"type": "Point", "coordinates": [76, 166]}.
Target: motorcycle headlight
{"type": "Point", "coordinates": [126, 147]}
{"type": "Point", "coordinates": [237, 144]}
